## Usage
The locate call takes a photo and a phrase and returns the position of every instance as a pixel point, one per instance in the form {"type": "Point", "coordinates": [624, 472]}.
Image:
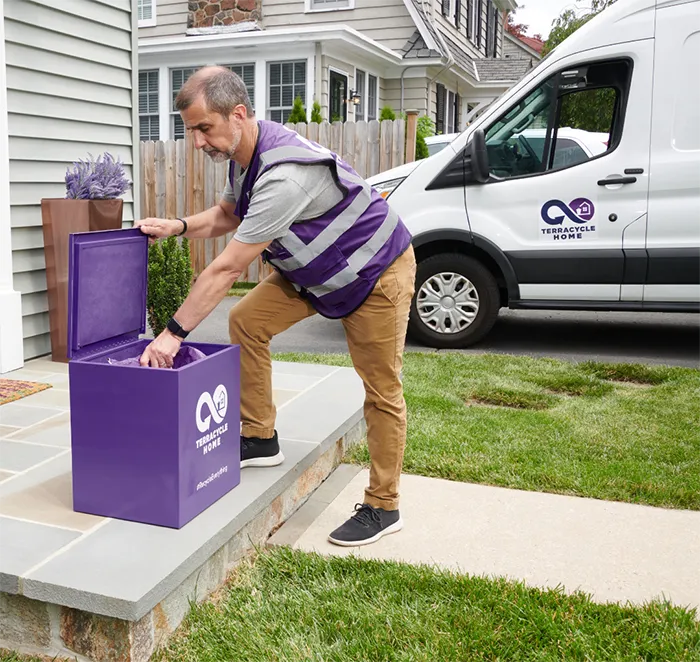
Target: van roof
{"type": "Point", "coordinates": [622, 21]}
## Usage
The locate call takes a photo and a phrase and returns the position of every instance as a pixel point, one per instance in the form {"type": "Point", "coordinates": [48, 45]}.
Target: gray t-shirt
{"type": "Point", "coordinates": [288, 193]}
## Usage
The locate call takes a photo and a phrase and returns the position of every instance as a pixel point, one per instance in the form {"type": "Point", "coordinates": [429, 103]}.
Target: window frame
{"type": "Point", "coordinates": [150, 115]}
{"type": "Point", "coordinates": [269, 107]}
{"type": "Point", "coordinates": [376, 97]}
{"type": "Point", "coordinates": [309, 7]}
{"type": "Point", "coordinates": [616, 129]}
{"type": "Point", "coordinates": [148, 22]}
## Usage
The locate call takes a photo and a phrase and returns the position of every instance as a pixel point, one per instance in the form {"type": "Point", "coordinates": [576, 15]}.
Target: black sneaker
{"type": "Point", "coordinates": [256, 452]}
{"type": "Point", "coordinates": [366, 526]}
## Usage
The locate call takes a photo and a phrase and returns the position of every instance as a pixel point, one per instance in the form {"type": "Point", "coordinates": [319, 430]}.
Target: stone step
{"type": "Point", "coordinates": [64, 573]}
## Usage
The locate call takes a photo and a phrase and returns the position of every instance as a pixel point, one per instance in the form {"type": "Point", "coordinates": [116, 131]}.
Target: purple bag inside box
{"type": "Point", "coordinates": [150, 445]}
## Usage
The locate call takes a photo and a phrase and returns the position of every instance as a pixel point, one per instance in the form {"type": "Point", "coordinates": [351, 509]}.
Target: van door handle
{"type": "Point", "coordinates": [616, 180]}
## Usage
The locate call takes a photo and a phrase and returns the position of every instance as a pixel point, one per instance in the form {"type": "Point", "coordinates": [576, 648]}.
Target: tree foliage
{"type": "Point", "coordinates": [569, 21]}
{"type": "Point", "coordinates": [298, 113]}
{"type": "Point", "coordinates": [316, 113]}
{"type": "Point", "coordinates": [590, 110]}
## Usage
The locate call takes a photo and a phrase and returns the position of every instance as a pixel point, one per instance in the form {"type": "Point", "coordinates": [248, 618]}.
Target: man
{"type": "Point", "coordinates": [338, 249]}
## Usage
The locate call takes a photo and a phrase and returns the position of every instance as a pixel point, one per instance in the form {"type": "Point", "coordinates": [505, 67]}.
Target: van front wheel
{"type": "Point", "coordinates": [456, 302]}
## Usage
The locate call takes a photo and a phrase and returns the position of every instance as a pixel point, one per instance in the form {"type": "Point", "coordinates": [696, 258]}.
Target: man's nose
{"type": "Point", "coordinates": [199, 141]}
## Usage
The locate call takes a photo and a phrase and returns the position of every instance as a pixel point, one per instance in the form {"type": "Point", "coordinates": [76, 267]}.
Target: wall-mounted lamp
{"type": "Point", "coordinates": [354, 98]}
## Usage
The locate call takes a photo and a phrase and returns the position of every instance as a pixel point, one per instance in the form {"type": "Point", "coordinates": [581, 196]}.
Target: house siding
{"type": "Point", "coordinates": [69, 93]}
{"type": "Point", "coordinates": [171, 20]}
{"type": "Point", "coordinates": [470, 46]}
{"type": "Point", "coordinates": [414, 94]}
{"type": "Point", "coordinates": [388, 22]}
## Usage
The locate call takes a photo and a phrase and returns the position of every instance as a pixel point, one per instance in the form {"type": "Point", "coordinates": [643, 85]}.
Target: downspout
{"type": "Point", "coordinates": [448, 64]}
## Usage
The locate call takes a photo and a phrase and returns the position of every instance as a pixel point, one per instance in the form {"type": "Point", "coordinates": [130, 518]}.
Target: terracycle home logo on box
{"type": "Point", "coordinates": [217, 406]}
{"type": "Point", "coordinates": [555, 215]}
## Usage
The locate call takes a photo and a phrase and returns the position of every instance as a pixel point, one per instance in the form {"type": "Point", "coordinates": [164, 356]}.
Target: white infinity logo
{"type": "Point", "coordinates": [217, 407]}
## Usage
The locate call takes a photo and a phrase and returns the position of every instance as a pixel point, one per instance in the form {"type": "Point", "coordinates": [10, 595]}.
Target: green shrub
{"type": "Point", "coordinates": [298, 113]}
{"type": "Point", "coordinates": [316, 113]}
{"type": "Point", "coordinates": [387, 114]}
{"type": "Point", "coordinates": [169, 280]}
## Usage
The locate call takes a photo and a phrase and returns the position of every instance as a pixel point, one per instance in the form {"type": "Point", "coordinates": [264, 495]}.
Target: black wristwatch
{"type": "Point", "coordinates": [174, 327]}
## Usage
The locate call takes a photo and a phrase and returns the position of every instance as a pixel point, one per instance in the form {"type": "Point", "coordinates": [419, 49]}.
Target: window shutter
{"type": "Point", "coordinates": [458, 119]}
{"type": "Point", "coordinates": [458, 11]}
{"type": "Point", "coordinates": [440, 109]}
{"type": "Point", "coordinates": [469, 12]}
{"type": "Point", "coordinates": [497, 30]}
{"type": "Point", "coordinates": [479, 18]}
{"type": "Point", "coordinates": [445, 7]}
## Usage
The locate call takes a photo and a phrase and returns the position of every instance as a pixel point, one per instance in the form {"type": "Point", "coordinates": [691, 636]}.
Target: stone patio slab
{"type": "Point", "coordinates": [45, 496]}
{"type": "Point", "coordinates": [145, 563]}
{"type": "Point", "coordinates": [18, 415]}
{"type": "Point", "coordinates": [24, 544]}
{"type": "Point", "coordinates": [51, 432]}
{"type": "Point", "coordinates": [123, 570]}
{"type": "Point", "coordinates": [20, 456]}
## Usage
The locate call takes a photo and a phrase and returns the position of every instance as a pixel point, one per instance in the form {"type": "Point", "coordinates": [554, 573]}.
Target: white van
{"type": "Point", "coordinates": [505, 216]}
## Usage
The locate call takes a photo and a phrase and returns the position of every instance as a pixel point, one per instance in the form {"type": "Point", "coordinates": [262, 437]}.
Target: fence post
{"type": "Point", "coordinates": [385, 145]}
{"type": "Point", "coordinates": [411, 135]}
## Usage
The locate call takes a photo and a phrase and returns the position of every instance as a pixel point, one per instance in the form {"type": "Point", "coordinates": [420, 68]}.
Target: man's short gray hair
{"type": "Point", "coordinates": [221, 89]}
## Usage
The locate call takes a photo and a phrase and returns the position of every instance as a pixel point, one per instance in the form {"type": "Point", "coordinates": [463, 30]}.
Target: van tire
{"type": "Point", "coordinates": [487, 290]}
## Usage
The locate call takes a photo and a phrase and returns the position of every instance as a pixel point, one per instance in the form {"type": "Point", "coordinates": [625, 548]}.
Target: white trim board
{"type": "Point", "coordinates": [11, 345]}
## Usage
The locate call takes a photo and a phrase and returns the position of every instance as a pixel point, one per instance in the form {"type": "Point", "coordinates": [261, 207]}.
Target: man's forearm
{"type": "Point", "coordinates": [213, 222]}
{"type": "Point", "coordinates": [213, 284]}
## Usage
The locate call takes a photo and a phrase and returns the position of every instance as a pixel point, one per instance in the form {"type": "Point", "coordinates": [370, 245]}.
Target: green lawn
{"type": "Point", "coordinates": [292, 606]}
{"type": "Point", "coordinates": [617, 432]}
{"type": "Point", "coordinates": [241, 289]}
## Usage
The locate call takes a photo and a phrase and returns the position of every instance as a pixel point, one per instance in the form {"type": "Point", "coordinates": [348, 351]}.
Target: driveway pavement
{"type": "Point", "coordinates": [668, 338]}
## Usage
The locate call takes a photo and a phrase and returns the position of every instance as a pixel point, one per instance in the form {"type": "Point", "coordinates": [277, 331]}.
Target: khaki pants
{"type": "Point", "coordinates": [376, 334]}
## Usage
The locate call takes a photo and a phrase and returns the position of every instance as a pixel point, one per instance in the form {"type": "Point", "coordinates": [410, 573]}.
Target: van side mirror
{"type": "Point", "coordinates": [477, 158]}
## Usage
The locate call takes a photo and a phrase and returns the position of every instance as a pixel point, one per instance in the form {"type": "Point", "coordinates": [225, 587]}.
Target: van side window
{"type": "Point", "coordinates": [574, 116]}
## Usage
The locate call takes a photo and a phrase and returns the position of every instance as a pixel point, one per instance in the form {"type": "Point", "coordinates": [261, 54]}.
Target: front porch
{"type": "Point", "coordinates": [99, 589]}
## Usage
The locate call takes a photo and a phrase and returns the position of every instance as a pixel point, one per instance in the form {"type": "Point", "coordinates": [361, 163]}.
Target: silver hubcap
{"type": "Point", "coordinates": [447, 303]}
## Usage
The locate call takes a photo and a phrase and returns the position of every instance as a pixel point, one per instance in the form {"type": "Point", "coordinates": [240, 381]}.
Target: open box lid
{"type": "Point", "coordinates": [107, 287]}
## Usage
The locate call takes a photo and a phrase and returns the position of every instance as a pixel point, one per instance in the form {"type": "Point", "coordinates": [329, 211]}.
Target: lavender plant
{"type": "Point", "coordinates": [97, 179]}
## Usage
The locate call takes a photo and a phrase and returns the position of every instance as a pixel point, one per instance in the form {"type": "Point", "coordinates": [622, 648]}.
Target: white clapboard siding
{"type": "Point", "coordinates": [69, 95]}
{"type": "Point", "coordinates": [171, 20]}
{"type": "Point", "coordinates": [387, 22]}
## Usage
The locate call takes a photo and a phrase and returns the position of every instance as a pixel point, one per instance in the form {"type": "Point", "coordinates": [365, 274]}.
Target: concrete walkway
{"type": "Point", "coordinates": [613, 551]}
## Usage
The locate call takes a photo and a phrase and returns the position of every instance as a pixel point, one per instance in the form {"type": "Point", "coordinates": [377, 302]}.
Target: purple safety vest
{"type": "Point", "coordinates": [336, 259]}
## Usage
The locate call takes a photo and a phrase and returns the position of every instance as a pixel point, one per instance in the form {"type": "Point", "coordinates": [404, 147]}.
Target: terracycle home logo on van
{"type": "Point", "coordinates": [579, 213]}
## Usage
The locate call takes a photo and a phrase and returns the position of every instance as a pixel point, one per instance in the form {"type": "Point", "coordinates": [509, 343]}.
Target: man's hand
{"type": "Point", "coordinates": [161, 352]}
{"type": "Point", "coordinates": [157, 228]}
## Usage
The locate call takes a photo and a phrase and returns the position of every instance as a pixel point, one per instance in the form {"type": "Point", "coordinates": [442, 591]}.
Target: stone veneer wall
{"type": "Point", "coordinates": [209, 13]}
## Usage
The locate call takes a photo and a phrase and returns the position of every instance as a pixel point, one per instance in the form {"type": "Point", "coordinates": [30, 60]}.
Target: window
{"type": "Point", "coordinates": [371, 97]}
{"type": "Point", "coordinates": [451, 10]}
{"type": "Point", "coordinates": [440, 93]}
{"type": "Point", "coordinates": [247, 74]}
{"type": "Point", "coordinates": [149, 121]}
{"type": "Point", "coordinates": [287, 80]}
{"type": "Point", "coordinates": [492, 27]}
{"type": "Point", "coordinates": [360, 77]}
{"type": "Point", "coordinates": [574, 116]}
{"type": "Point", "coordinates": [474, 20]}
{"type": "Point", "coordinates": [329, 5]}
{"type": "Point", "coordinates": [146, 12]}
{"type": "Point", "coordinates": [447, 111]}
{"type": "Point", "coordinates": [178, 78]}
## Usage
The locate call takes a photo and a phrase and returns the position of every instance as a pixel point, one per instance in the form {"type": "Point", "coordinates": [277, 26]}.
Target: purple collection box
{"type": "Point", "coordinates": [150, 445]}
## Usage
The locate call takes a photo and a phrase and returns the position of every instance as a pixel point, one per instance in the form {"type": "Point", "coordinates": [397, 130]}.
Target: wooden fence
{"type": "Point", "coordinates": [178, 180]}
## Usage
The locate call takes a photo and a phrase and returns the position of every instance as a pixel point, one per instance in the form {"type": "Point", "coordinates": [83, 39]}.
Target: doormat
{"type": "Point", "coordinates": [13, 389]}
